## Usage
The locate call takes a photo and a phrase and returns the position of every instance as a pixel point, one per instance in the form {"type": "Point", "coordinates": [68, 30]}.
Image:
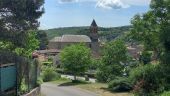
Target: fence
{"type": "Point", "coordinates": [23, 72]}
{"type": "Point", "coordinates": [7, 77]}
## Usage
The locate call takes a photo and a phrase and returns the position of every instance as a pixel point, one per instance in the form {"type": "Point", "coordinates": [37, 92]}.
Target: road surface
{"type": "Point", "coordinates": [50, 89]}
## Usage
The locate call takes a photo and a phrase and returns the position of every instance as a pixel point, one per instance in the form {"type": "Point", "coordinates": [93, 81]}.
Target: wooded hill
{"type": "Point", "coordinates": [104, 33]}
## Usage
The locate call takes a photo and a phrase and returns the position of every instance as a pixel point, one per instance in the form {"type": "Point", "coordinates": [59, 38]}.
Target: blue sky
{"type": "Point", "coordinates": [107, 13]}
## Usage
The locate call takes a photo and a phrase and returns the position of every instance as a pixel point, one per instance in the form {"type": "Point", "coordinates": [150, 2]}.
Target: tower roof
{"type": "Point", "coordinates": [93, 24]}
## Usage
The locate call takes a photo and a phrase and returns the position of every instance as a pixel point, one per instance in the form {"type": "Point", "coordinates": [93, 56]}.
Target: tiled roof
{"type": "Point", "coordinates": [56, 39]}
{"type": "Point", "coordinates": [72, 38]}
{"type": "Point", "coordinates": [75, 38]}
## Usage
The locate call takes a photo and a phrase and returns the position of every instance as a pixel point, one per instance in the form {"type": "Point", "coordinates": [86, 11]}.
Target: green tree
{"type": "Point", "coordinates": [113, 59]}
{"type": "Point", "coordinates": [152, 29]}
{"type": "Point", "coordinates": [42, 37]}
{"type": "Point", "coordinates": [17, 17]}
{"type": "Point", "coordinates": [75, 59]}
{"type": "Point", "coordinates": [32, 44]}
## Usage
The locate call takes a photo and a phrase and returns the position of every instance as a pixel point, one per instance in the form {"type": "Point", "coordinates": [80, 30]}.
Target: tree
{"type": "Point", "coordinates": [32, 44]}
{"type": "Point", "coordinates": [75, 59]}
{"type": "Point", "coordinates": [42, 37]}
{"type": "Point", "coordinates": [113, 59]}
{"type": "Point", "coordinates": [152, 29]}
{"type": "Point", "coordinates": [17, 17]}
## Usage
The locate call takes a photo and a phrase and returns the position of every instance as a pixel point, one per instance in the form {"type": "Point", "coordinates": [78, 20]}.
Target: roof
{"type": "Point", "coordinates": [56, 39]}
{"type": "Point", "coordinates": [93, 24]}
{"type": "Point", "coordinates": [72, 38]}
{"type": "Point", "coordinates": [48, 51]}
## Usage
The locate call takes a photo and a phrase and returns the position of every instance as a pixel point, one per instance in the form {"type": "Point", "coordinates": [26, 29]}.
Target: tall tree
{"type": "Point", "coordinates": [42, 37]}
{"type": "Point", "coordinates": [17, 17]}
{"type": "Point", "coordinates": [114, 56]}
{"type": "Point", "coordinates": [152, 29]}
{"type": "Point", "coordinates": [75, 59]}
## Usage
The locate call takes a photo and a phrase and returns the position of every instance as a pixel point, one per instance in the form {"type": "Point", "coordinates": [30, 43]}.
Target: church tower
{"type": "Point", "coordinates": [94, 36]}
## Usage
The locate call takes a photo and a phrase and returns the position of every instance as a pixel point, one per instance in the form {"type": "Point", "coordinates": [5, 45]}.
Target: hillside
{"type": "Point", "coordinates": [104, 33]}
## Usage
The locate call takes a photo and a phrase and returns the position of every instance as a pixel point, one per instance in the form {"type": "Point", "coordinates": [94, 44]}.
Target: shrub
{"type": "Point", "coordinates": [49, 74]}
{"type": "Point", "coordinates": [167, 93]}
{"type": "Point", "coordinates": [146, 57]}
{"type": "Point", "coordinates": [39, 81]}
{"type": "Point", "coordinates": [147, 80]}
{"type": "Point", "coordinates": [120, 84]}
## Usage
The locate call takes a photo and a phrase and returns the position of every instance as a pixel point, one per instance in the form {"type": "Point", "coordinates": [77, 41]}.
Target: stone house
{"type": "Point", "coordinates": [91, 41]}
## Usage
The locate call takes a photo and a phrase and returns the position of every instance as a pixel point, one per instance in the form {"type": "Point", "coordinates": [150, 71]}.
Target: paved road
{"type": "Point", "coordinates": [49, 89]}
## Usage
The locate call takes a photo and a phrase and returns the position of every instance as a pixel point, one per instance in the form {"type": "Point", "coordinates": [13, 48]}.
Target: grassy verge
{"type": "Point", "coordinates": [99, 88]}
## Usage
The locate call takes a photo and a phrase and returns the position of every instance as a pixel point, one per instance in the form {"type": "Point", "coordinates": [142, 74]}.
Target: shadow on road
{"type": "Point", "coordinates": [73, 83]}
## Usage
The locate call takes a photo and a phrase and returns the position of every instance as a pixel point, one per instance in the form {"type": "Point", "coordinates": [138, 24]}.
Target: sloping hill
{"type": "Point", "coordinates": [104, 33]}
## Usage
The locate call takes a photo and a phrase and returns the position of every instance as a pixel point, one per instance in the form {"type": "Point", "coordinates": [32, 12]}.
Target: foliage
{"type": "Point", "coordinates": [6, 46]}
{"type": "Point", "coordinates": [94, 64]}
{"type": "Point", "coordinates": [147, 80]}
{"type": "Point", "coordinates": [75, 59]}
{"type": "Point", "coordinates": [49, 74]}
{"type": "Point", "coordinates": [152, 29]}
{"type": "Point", "coordinates": [32, 44]}
{"type": "Point", "coordinates": [145, 58]}
{"type": "Point", "coordinates": [166, 93]}
{"type": "Point", "coordinates": [42, 37]}
{"type": "Point", "coordinates": [17, 17]}
{"type": "Point", "coordinates": [120, 84]}
{"type": "Point", "coordinates": [113, 60]}
{"type": "Point", "coordinates": [23, 88]}
{"type": "Point", "coordinates": [104, 33]}
{"type": "Point", "coordinates": [39, 81]}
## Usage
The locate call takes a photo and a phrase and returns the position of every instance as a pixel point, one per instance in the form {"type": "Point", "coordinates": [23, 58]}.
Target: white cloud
{"type": "Point", "coordinates": [111, 4]}
{"type": "Point", "coordinates": [137, 2]}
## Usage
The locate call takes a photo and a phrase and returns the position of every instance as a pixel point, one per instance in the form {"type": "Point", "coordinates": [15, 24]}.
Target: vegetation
{"type": "Point", "coordinates": [147, 80]}
{"type": "Point", "coordinates": [104, 33]}
{"type": "Point", "coordinates": [75, 59]}
{"type": "Point", "coordinates": [99, 88]}
{"type": "Point", "coordinates": [49, 74]}
{"type": "Point", "coordinates": [120, 84]}
{"type": "Point", "coordinates": [18, 25]}
{"type": "Point", "coordinates": [113, 60]}
{"type": "Point", "coordinates": [151, 29]}
{"type": "Point", "coordinates": [32, 44]}
{"type": "Point", "coordinates": [165, 94]}
{"type": "Point", "coordinates": [17, 17]}
{"type": "Point", "coordinates": [42, 37]}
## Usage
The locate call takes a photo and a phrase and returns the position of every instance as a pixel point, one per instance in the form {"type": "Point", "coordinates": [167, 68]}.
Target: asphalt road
{"type": "Point", "coordinates": [49, 89]}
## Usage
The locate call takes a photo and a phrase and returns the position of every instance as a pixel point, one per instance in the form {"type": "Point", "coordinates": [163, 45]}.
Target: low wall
{"type": "Point", "coordinates": [34, 92]}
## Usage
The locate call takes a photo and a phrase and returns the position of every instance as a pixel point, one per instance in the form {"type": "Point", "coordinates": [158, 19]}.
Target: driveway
{"type": "Point", "coordinates": [50, 89]}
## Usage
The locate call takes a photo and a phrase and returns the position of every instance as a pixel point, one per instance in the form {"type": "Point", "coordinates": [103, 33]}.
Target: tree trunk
{"type": "Point", "coordinates": [75, 77]}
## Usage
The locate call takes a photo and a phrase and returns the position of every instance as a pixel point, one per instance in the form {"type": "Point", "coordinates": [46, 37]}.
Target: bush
{"type": "Point", "coordinates": [120, 84]}
{"type": "Point", "coordinates": [146, 57]}
{"type": "Point", "coordinates": [49, 74]}
{"type": "Point", "coordinates": [167, 93]}
{"type": "Point", "coordinates": [147, 80]}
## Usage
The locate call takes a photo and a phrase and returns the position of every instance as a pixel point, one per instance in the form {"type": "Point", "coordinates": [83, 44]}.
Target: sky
{"type": "Point", "coordinates": [107, 13]}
